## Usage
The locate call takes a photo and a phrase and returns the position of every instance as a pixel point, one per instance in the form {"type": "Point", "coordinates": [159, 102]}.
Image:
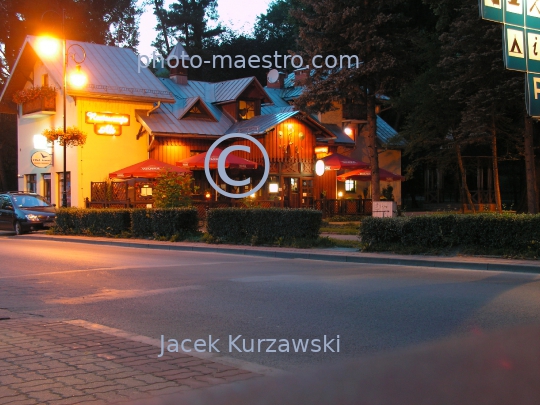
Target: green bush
{"type": "Point", "coordinates": [374, 231]}
{"type": "Point", "coordinates": [99, 222]}
{"type": "Point", "coordinates": [508, 233]}
{"type": "Point", "coordinates": [164, 222]}
{"type": "Point", "coordinates": [263, 225]}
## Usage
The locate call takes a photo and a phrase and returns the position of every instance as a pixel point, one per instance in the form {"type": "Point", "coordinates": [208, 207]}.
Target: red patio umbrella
{"type": "Point", "coordinates": [148, 169]}
{"type": "Point", "coordinates": [337, 161]}
{"type": "Point", "coordinates": [365, 175]}
{"type": "Point", "coordinates": [232, 161]}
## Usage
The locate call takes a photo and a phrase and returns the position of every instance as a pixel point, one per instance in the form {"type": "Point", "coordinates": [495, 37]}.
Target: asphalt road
{"type": "Point", "coordinates": [185, 295]}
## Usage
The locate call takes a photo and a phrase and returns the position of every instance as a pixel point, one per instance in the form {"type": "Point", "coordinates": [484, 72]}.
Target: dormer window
{"type": "Point", "coordinates": [246, 109]}
{"type": "Point", "coordinates": [198, 112]}
{"type": "Point", "coordinates": [195, 110]}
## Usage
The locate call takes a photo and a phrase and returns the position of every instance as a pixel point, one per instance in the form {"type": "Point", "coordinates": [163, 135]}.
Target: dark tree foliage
{"type": "Point", "coordinates": [464, 99]}
{"type": "Point", "coordinates": [187, 22]}
{"type": "Point", "coordinates": [276, 31]}
{"type": "Point", "coordinates": [110, 22]}
{"type": "Point", "coordinates": [379, 34]}
{"type": "Point", "coordinates": [8, 152]}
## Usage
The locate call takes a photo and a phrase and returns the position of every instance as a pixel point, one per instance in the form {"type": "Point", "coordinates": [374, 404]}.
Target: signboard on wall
{"type": "Point", "coordinates": [41, 159]}
{"type": "Point", "coordinates": [107, 123]}
{"type": "Point", "coordinates": [384, 209]}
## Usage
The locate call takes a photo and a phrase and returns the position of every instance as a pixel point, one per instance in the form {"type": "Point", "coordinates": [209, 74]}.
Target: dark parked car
{"type": "Point", "coordinates": [24, 212]}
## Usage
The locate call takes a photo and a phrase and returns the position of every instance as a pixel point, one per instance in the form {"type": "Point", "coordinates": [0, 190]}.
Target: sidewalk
{"type": "Point", "coordinates": [349, 255]}
{"type": "Point", "coordinates": [74, 362]}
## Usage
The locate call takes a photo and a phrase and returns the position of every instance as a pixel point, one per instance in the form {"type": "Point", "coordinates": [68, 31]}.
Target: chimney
{"type": "Point", "coordinates": [275, 79]}
{"type": "Point", "coordinates": [300, 76]}
{"type": "Point", "coordinates": [176, 61]}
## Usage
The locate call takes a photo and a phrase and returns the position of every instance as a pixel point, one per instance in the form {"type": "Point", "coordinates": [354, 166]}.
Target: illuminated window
{"type": "Point", "coordinates": [47, 187]}
{"type": "Point", "coordinates": [30, 183]}
{"type": "Point", "coordinates": [246, 109]}
{"type": "Point", "coordinates": [350, 186]}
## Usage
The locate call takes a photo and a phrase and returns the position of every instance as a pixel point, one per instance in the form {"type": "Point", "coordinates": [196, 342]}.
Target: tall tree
{"type": "Point", "coordinates": [375, 31]}
{"type": "Point", "coordinates": [277, 29]}
{"type": "Point", "coordinates": [188, 22]}
{"type": "Point", "coordinates": [489, 95]}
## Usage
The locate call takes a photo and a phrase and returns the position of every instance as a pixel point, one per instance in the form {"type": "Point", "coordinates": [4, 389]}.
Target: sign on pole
{"type": "Point", "coordinates": [514, 48]}
{"type": "Point", "coordinates": [521, 41]}
{"type": "Point", "coordinates": [492, 10]}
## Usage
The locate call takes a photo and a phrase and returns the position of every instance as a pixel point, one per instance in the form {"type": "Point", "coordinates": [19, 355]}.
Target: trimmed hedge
{"type": "Point", "coordinates": [79, 221]}
{"type": "Point", "coordinates": [263, 225]}
{"type": "Point", "coordinates": [164, 222]}
{"type": "Point", "coordinates": [509, 232]}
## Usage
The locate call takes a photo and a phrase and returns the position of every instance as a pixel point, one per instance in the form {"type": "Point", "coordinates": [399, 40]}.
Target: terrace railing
{"type": "Point", "coordinates": [333, 207]}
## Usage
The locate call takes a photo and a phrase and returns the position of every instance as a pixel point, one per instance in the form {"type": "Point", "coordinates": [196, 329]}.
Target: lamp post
{"type": "Point", "coordinates": [78, 80]}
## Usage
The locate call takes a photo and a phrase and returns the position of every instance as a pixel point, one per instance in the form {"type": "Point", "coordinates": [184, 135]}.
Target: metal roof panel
{"type": "Point", "coordinates": [111, 71]}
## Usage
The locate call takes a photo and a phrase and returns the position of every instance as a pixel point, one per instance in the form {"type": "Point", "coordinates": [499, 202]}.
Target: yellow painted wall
{"type": "Point", "coordinates": [103, 154]}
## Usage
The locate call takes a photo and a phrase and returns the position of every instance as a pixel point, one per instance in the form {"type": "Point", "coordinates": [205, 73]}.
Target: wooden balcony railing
{"type": "Point", "coordinates": [45, 106]}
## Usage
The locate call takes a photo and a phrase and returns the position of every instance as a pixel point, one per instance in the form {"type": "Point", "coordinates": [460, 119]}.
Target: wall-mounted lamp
{"type": "Point", "coordinates": [349, 131]}
{"type": "Point", "coordinates": [273, 187]}
{"type": "Point", "coordinates": [340, 194]}
{"type": "Point", "coordinates": [208, 195]}
{"type": "Point", "coordinates": [319, 168]}
{"type": "Point", "coordinates": [40, 142]}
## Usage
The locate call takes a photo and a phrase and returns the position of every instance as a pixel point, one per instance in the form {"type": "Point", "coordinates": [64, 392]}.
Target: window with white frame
{"type": "Point", "coordinates": [350, 186]}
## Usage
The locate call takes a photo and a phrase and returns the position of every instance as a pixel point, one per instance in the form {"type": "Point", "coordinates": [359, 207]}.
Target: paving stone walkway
{"type": "Point", "coordinates": [56, 362]}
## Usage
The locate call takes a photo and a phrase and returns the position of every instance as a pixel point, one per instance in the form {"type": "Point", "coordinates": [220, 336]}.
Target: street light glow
{"type": "Point", "coordinates": [77, 78]}
{"type": "Point", "coordinates": [48, 47]}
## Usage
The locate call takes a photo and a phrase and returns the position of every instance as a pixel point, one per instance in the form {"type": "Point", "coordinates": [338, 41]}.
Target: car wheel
{"type": "Point", "coordinates": [18, 228]}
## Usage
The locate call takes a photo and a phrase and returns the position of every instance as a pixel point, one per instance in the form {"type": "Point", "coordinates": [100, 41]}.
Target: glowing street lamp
{"type": "Point", "coordinates": [48, 47]}
{"type": "Point", "coordinates": [77, 78]}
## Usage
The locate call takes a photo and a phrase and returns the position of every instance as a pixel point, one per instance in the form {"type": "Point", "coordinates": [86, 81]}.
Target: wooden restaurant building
{"type": "Point", "coordinates": [131, 116]}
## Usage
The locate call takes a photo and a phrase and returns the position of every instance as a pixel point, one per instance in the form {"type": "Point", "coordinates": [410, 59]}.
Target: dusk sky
{"type": "Point", "coordinates": [238, 15]}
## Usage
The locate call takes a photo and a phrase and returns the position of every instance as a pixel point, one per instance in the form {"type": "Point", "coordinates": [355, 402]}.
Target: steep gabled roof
{"type": "Point", "coordinates": [386, 135]}
{"type": "Point", "coordinates": [112, 73]}
{"type": "Point", "coordinates": [263, 123]}
{"type": "Point", "coordinates": [166, 120]}
{"type": "Point", "coordinates": [341, 136]}
{"type": "Point", "coordinates": [230, 90]}
{"type": "Point", "coordinates": [183, 106]}
{"type": "Point", "coordinates": [278, 105]}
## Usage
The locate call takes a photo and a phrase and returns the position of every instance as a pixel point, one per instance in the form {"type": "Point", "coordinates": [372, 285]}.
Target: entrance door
{"type": "Point", "coordinates": [291, 192]}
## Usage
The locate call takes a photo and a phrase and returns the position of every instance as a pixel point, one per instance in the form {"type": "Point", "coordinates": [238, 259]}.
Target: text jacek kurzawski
{"type": "Point", "coordinates": [238, 344]}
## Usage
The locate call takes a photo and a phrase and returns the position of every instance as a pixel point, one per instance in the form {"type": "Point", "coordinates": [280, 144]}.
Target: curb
{"type": "Point", "coordinates": [385, 260]}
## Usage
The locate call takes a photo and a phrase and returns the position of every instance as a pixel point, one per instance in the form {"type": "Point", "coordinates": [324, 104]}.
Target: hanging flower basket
{"type": "Point", "coordinates": [72, 137]}
{"type": "Point", "coordinates": [33, 93]}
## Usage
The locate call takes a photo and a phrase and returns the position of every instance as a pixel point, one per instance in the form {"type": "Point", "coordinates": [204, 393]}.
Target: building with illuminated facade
{"type": "Point", "coordinates": [129, 115]}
